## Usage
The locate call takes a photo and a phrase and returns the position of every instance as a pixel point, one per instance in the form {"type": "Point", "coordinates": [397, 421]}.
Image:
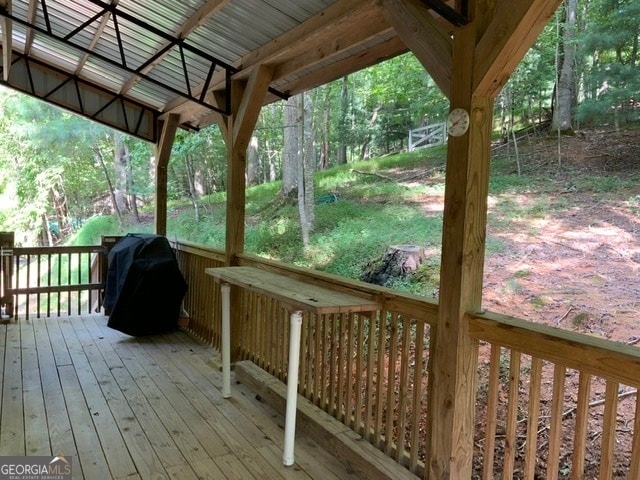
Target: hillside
{"type": "Point", "coordinates": [562, 239]}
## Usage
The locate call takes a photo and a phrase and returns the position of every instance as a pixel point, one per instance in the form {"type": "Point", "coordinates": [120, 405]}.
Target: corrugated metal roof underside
{"type": "Point", "coordinates": [150, 56]}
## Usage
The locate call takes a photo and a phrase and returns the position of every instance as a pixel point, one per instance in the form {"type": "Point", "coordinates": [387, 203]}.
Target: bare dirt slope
{"type": "Point", "coordinates": [573, 262]}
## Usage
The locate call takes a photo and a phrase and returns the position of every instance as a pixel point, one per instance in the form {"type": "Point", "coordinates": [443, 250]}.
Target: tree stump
{"type": "Point", "coordinates": [397, 262]}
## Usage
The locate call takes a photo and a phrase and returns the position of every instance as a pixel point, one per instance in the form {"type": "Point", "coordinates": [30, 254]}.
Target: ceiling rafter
{"type": "Point", "coordinates": [206, 11]}
{"type": "Point", "coordinates": [95, 39]}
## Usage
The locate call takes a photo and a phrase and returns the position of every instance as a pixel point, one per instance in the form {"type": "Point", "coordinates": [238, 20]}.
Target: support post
{"type": "Point", "coordinates": [163, 154]}
{"type": "Point", "coordinates": [463, 243]}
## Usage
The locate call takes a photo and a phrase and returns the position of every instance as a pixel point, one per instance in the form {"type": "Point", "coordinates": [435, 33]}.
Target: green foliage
{"type": "Point", "coordinates": [609, 49]}
{"type": "Point", "coordinates": [96, 227]}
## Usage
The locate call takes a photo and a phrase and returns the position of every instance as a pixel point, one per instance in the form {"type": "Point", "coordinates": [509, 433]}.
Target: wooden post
{"type": "Point", "coordinates": [246, 102]}
{"type": "Point", "coordinates": [163, 154]}
{"type": "Point", "coordinates": [463, 243]}
{"type": "Point", "coordinates": [6, 273]}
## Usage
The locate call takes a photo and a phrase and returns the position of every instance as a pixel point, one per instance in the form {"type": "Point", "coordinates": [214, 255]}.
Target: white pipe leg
{"type": "Point", "coordinates": [292, 388]}
{"type": "Point", "coordinates": [225, 290]}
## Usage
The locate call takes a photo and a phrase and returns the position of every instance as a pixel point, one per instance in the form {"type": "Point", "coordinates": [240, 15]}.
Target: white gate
{"type": "Point", "coordinates": [428, 136]}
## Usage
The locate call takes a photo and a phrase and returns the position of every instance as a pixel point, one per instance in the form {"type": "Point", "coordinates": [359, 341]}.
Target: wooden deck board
{"type": "Point", "coordinates": [137, 408]}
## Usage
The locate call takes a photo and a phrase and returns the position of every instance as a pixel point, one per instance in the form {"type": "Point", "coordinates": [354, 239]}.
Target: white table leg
{"type": "Point", "coordinates": [225, 290]}
{"type": "Point", "coordinates": [292, 388]}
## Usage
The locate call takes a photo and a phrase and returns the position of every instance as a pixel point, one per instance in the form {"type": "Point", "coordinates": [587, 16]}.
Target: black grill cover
{"type": "Point", "coordinates": [144, 287]}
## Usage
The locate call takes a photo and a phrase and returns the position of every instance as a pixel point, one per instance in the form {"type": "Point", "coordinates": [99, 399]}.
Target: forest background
{"type": "Point", "coordinates": [59, 172]}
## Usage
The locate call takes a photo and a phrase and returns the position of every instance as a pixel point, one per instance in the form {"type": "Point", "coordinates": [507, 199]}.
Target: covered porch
{"type": "Point", "coordinates": [445, 389]}
{"type": "Point", "coordinates": [145, 408]}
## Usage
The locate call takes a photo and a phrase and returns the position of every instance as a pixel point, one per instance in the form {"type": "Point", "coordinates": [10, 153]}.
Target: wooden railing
{"type": "Point", "coordinates": [55, 281]}
{"type": "Point", "coordinates": [369, 371]}
{"type": "Point", "coordinates": [202, 300]}
{"type": "Point", "coordinates": [549, 402]}
{"type": "Point", "coordinates": [555, 404]}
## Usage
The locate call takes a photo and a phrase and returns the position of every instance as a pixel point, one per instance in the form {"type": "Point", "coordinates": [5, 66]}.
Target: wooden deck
{"type": "Point", "coordinates": [137, 408]}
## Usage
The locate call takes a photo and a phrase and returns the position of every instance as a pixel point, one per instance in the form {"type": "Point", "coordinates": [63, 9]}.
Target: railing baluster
{"type": "Point", "coordinates": [492, 409]}
{"type": "Point", "coordinates": [369, 394]}
{"type": "Point", "coordinates": [391, 400]}
{"type": "Point", "coordinates": [416, 402]}
{"type": "Point", "coordinates": [79, 300]}
{"type": "Point", "coordinates": [403, 393]}
{"type": "Point", "coordinates": [512, 415]}
{"type": "Point", "coordinates": [635, 450]}
{"type": "Point", "coordinates": [333, 369]}
{"type": "Point", "coordinates": [341, 366]}
{"type": "Point", "coordinates": [69, 283]}
{"type": "Point", "coordinates": [533, 419]}
{"type": "Point", "coordinates": [555, 427]}
{"type": "Point", "coordinates": [59, 271]}
{"type": "Point", "coordinates": [38, 283]}
{"type": "Point", "coordinates": [608, 431]}
{"type": "Point", "coordinates": [49, 283]}
{"type": "Point", "coordinates": [348, 369]}
{"type": "Point", "coordinates": [581, 425]}
{"type": "Point", "coordinates": [28, 284]}
{"type": "Point", "coordinates": [360, 381]}
{"type": "Point", "coordinates": [380, 385]}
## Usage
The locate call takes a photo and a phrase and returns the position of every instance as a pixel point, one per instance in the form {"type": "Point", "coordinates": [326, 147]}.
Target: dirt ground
{"type": "Point", "coordinates": [575, 267]}
{"type": "Point", "coordinates": [571, 262]}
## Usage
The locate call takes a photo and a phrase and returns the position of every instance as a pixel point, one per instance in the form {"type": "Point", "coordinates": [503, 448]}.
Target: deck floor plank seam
{"type": "Point", "coordinates": [135, 439]}
{"type": "Point", "coordinates": [36, 437]}
{"type": "Point", "coordinates": [111, 441]}
{"type": "Point", "coordinates": [12, 431]}
{"type": "Point", "coordinates": [58, 423]}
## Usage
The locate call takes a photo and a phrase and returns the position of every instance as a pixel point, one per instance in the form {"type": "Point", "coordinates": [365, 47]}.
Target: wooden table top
{"type": "Point", "coordinates": [294, 293]}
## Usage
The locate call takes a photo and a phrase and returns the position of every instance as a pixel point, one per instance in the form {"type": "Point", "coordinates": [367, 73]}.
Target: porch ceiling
{"type": "Point", "coordinates": [126, 63]}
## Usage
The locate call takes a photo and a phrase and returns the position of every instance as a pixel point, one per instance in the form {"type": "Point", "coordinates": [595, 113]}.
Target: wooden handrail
{"type": "Point", "coordinates": [598, 356]}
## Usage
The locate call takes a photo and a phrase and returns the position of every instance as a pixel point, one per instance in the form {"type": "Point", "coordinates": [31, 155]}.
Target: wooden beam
{"type": "Point", "coordinates": [512, 31]}
{"type": "Point", "coordinates": [163, 154]}
{"type": "Point", "coordinates": [463, 242]}
{"type": "Point", "coordinates": [7, 39]}
{"type": "Point", "coordinates": [246, 102]}
{"type": "Point", "coordinates": [429, 42]}
{"type": "Point", "coordinates": [245, 118]}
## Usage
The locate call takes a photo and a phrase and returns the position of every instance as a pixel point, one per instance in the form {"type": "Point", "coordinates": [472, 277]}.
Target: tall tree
{"type": "Point", "coordinates": [307, 166]}
{"type": "Point", "coordinates": [292, 147]}
{"type": "Point", "coordinates": [566, 85]}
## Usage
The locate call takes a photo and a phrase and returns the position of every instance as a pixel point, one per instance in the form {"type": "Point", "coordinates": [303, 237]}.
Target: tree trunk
{"type": "Point", "coordinates": [306, 168]}
{"type": "Point", "coordinates": [292, 148]}
{"type": "Point", "coordinates": [192, 187]}
{"type": "Point", "coordinates": [120, 166]}
{"type": "Point", "coordinates": [562, 113]}
{"type": "Point", "coordinates": [344, 126]}
{"type": "Point", "coordinates": [252, 162]}
{"type": "Point", "coordinates": [114, 203]}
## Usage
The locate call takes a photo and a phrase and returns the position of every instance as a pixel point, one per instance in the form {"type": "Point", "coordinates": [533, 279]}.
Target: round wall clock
{"type": "Point", "coordinates": [457, 122]}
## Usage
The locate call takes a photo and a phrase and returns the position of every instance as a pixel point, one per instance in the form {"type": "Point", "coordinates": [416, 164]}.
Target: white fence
{"type": "Point", "coordinates": [428, 136]}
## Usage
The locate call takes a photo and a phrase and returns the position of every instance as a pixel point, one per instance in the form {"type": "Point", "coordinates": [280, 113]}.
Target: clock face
{"type": "Point", "coordinates": [457, 122]}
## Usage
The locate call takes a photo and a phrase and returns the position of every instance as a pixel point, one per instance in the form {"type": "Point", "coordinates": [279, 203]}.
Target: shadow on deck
{"type": "Point", "coordinates": [138, 408]}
